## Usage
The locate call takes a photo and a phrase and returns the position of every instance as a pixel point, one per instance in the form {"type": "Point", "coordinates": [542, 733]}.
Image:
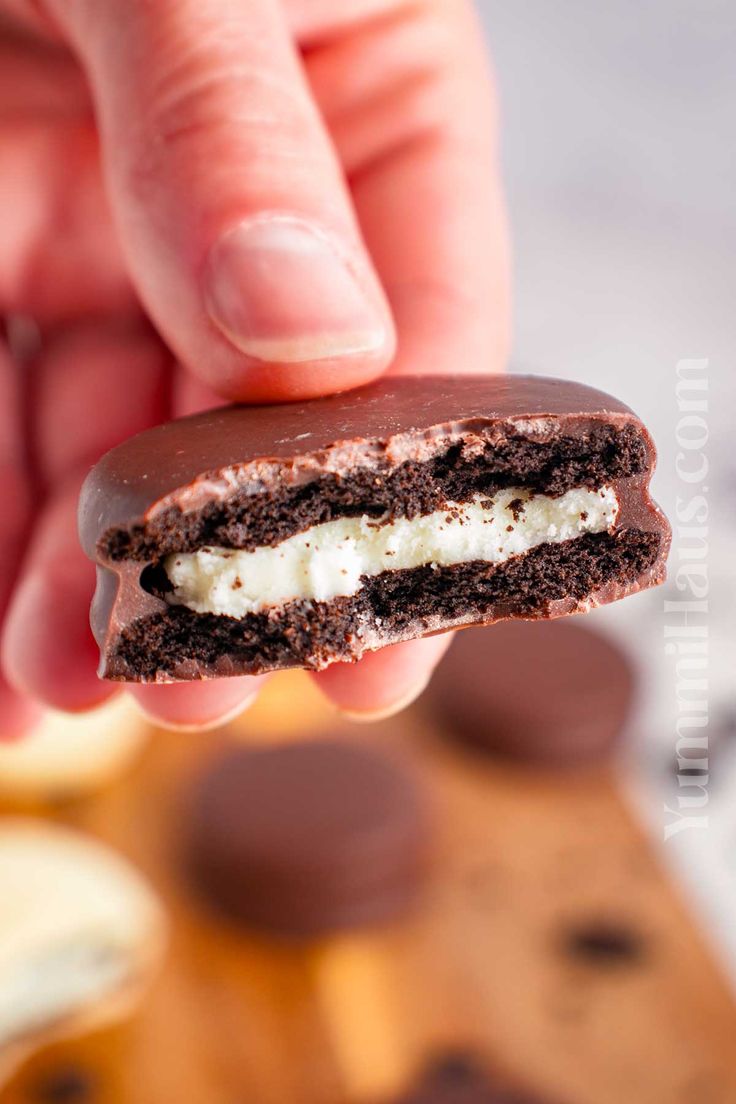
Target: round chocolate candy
{"type": "Point", "coordinates": [306, 838]}
{"type": "Point", "coordinates": [555, 692]}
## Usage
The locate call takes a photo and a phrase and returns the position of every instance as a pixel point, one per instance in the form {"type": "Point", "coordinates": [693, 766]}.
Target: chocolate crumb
{"type": "Point", "coordinates": [509, 528]}
{"type": "Point", "coordinates": [583, 515]}
{"type": "Point", "coordinates": [604, 943]}
{"type": "Point", "coordinates": [237, 583]}
{"type": "Point", "coordinates": [516, 506]}
{"type": "Point", "coordinates": [456, 1077]}
{"type": "Point", "coordinates": [65, 1086]}
{"type": "Point", "coordinates": [454, 1068]}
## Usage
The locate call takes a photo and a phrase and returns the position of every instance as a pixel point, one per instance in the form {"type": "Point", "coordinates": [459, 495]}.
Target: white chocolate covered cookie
{"type": "Point", "coordinates": [69, 754]}
{"type": "Point", "coordinates": [80, 935]}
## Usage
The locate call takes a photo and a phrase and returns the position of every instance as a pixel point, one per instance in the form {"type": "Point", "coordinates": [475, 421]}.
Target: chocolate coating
{"type": "Point", "coordinates": [307, 838]}
{"type": "Point", "coordinates": [554, 692]}
{"type": "Point", "coordinates": [248, 476]}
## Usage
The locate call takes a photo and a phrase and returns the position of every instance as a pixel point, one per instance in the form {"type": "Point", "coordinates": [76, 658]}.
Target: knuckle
{"type": "Point", "coordinates": [226, 114]}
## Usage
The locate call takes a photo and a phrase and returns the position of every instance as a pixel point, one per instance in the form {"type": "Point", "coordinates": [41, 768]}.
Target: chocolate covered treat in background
{"type": "Point", "coordinates": [304, 839]}
{"type": "Point", "coordinates": [555, 693]}
{"type": "Point", "coordinates": [81, 934]}
{"type": "Point", "coordinates": [69, 755]}
{"type": "Point", "coordinates": [248, 539]}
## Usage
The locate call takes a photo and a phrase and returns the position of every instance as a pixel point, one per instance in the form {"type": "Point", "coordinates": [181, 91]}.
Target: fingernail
{"type": "Point", "coordinates": [280, 292]}
{"type": "Point", "coordinates": [368, 716]}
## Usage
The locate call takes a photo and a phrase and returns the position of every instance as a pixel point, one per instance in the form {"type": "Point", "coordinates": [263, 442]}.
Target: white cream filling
{"type": "Point", "coordinates": [330, 560]}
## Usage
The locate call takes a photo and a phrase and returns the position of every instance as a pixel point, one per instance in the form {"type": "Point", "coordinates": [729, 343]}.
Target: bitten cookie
{"type": "Point", "coordinates": [248, 539]}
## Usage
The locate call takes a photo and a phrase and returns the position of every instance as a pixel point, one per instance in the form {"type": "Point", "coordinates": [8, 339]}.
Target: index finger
{"type": "Point", "coordinates": [232, 209]}
{"type": "Point", "coordinates": [411, 106]}
{"type": "Point", "coordinates": [17, 713]}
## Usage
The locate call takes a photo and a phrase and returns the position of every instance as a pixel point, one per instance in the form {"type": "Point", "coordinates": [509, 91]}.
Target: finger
{"type": "Point", "coordinates": [26, 16]}
{"type": "Point", "coordinates": [17, 713]}
{"type": "Point", "coordinates": [47, 646]}
{"type": "Point", "coordinates": [107, 380]}
{"type": "Point", "coordinates": [39, 80]}
{"type": "Point", "coordinates": [20, 714]}
{"type": "Point", "coordinates": [238, 229]}
{"type": "Point", "coordinates": [191, 395]}
{"type": "Point", "coordinates": [193, 706]}
{"type": "Point", "coordinates": [411, 109]}
{"type": "Point", "coordinates": [59, 256]}
{"type": "Point", "coordinates": [383, 683]}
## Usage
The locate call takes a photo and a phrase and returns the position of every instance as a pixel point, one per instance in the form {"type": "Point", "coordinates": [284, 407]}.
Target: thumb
{"type": "Point", "coordinates": [236, 223]}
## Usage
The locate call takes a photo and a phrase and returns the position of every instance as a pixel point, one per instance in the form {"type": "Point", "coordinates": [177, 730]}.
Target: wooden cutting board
{"type": "Point", "coordinates": [549, 941]}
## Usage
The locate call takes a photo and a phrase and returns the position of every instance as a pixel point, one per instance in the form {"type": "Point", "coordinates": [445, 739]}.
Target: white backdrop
{"type": "Point", "coordinates": [619, 155]}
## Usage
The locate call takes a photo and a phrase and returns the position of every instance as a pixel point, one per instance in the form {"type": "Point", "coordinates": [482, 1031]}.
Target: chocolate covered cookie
{"type": "Point", "coordinates": [555, 692]}
{"type": "Point", "coordinates": [307, 838]}
{"type": "Point", "coordinates": [81, 935]}
{"type": "Point", "coordinates": [248, 539]}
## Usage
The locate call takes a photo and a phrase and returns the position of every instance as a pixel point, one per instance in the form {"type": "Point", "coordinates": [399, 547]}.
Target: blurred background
{"type": "Point", "coordinates": [619, 179]}
{"type": "Point", "coordinates": [557, 944]}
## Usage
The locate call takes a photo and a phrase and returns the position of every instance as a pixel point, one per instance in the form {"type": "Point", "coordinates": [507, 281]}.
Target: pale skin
{"type": "Point", "coordinates": [202, 200]}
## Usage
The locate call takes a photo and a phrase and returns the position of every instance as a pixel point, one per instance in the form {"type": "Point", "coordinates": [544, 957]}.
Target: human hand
{"type": "Point", "coordinates": [295, 194]}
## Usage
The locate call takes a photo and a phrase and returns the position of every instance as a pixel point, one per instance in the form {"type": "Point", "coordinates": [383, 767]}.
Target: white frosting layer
{"type": "Point", "coordinates": [330, 560]}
